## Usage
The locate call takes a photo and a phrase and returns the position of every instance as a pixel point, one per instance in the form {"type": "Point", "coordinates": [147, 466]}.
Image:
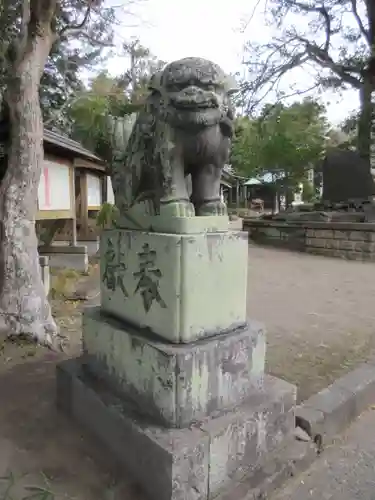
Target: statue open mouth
{"type": "Point", "coordinates": [191, 105]}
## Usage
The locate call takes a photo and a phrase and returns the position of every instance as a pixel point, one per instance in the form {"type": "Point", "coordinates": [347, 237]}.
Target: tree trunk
{"type": "Point", "coordinates": [24, 307]}
{"type": "Point", "coordinates": [370, 6]}
{"type": "Point", "coordinates": [365, 119]}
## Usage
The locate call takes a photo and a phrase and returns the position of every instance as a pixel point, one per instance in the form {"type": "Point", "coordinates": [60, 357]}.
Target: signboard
{"type": "Point", "coordinates": [54, 190]}
{"type": "Point", "coordinates": [110, 194]}
{"type": "Point", "coordinates": [94, 192]}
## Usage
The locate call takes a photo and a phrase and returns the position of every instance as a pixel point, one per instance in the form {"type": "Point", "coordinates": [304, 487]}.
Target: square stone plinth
{"type": "Point", "coordinates": [174, 384]}
{"type": "Point", "coordinates": [197, 463]}
{"type": "Point", "coordinates": [182, 287]}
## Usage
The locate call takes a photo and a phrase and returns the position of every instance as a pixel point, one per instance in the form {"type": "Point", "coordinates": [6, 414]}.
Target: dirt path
{"type": "Point", "coordinates": [320, 319]}
{"type": "Point", "coordinates": [319, 313]}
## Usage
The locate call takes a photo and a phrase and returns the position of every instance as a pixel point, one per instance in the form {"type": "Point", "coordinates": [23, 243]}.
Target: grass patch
{"type": "Point", "coordinates": [63, 281]}
{"type": "Point", "coordinates": [9, 485]}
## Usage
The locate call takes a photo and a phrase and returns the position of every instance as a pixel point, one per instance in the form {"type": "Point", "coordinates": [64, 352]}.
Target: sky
{"type": "Point", "coordinates": [173, 29]}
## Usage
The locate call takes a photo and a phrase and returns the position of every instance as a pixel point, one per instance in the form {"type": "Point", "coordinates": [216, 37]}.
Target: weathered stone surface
{"type": "Point", "coordinates": [271, 232]}
{"type": "Point", "coordinates": [184, 464]}
{"type": "Point", "coordinates": [346, 176]}
{"type": "Point", "coordinates": [322, 233]}
{"type": "Point", "coordinates": [286, 462]}
{"type": "Point", "coordinates": [177, 225]}
{"type": "Point", "coordinates": [329, 412]}
{"type": "Point", "coordinates": [168, 464]}
{"type": "Point", "coordinates": [337, 405]}
{"type": "Point", "coordinates": [361, 383]}
{"type": "Point", "coordinates": [184, 129]}
{"type": "Point", "coordinates": [247, 435]}
{"type": "Point", "coordinates": [357, 235]}
{"type": "Point", "coordinates": [352, 241]}
{"type": "Point", "coordinates": [316, 242]}
{"type": "Point", "coordinates": [310, 420]}
{"type": "Point", "coordinates": [175, 285]}
{"type": "Point", "coordinates": [341, 235]}
{"type": "Point", "coordinates": [301, 435]}
{"type": "Point", "coordinates": [346, 245]}
{"type": "Point", "coordinates": [236, 224]}
{"type": "Point", "coordinates": [364, 246]}
{"type": "Point", "coordinates": [175, 383]}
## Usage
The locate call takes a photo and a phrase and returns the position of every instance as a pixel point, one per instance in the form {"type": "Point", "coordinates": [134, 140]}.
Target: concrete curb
{"type": "Point", "coordinates": [326, 414]}
{"type": "Point", "coordinates": [321, 417]}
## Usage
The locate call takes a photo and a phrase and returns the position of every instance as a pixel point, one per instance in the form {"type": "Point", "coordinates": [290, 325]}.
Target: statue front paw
{"type": "Point", "coordinates": [177, 209]}
{"type": "Point", "coordinates": [212, 208]}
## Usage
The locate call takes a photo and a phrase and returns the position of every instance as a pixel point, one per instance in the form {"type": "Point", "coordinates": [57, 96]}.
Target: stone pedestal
{"type": "Point", "coordinates": [180, 286]}
{"type": "Point", "coordinates": [171, 377]}
{"type": "Point", "coordinates": [174, 384]}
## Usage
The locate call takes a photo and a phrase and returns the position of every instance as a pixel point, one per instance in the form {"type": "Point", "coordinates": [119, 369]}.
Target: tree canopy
{"type": "Point", "coordinates": [73, 50]}
{"type": "Point", "coordinates": [333, 41]}
{"type": "Point", "coordinates": [282, 140]}
{"type": "Point", "coordinates": [99, 112]}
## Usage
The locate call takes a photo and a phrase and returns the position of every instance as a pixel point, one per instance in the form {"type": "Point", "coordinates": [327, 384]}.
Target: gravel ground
{"type": "Point", "coordinates": [345, 471]}
{"type": "Point", "coordinates": [319, 314]}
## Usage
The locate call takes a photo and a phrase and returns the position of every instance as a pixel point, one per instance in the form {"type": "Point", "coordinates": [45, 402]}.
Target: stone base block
{"type": "Point", "coordinates": [45, 272]}
{"type": "Point", "coordinates": [181, 286]}
{"type": "Point", "coordinates": [66, 257]}
{"type": "Point", "coordinates": [174, 384]}
{"type": "Point", "coordinates": [174, 225]}
{"type": "Point", "coordinates": [197, 463]}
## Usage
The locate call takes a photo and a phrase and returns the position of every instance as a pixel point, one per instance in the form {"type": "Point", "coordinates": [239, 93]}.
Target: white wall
{"type": "Point", "coordinates": [94, 191]}
{"type": "Point", "coordinates": [54, 190]}
{"type": "Point", "coordinates": [110, 194]}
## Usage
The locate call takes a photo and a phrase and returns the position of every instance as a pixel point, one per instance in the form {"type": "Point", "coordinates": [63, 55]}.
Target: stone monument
{"type": "Point", "coordinates": [346, 176]}
{"type": "Point", "coordinates": [348, 192]}
{"type": "Point", "coordinates": [171, 377]}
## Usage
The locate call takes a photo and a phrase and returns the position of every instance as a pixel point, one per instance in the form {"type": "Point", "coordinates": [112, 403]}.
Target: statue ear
{"type": "Point", "coordinates": [155, 81]}
{"type": "Point", "coordinates": [230, 85]}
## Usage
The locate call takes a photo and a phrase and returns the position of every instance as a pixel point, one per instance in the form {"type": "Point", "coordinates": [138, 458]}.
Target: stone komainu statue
{"type": "Point", "coordinates": [185, 128]}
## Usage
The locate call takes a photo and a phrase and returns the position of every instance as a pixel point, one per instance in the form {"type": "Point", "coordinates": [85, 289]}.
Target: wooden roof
{"type": "Point", "coordinates": [65, 145]}
{"type": "Point", "coordinates": [64, 142]}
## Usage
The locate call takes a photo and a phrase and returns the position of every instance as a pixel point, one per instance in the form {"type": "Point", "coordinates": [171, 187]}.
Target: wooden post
{"type": "Point", "coordinates": [84, 211]}
{"type": "Point", "coordinates": [104, 185]}
{"type": "Point", "coordinates": [73, 242]}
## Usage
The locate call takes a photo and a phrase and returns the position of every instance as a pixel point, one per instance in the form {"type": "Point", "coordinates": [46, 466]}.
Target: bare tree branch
{"type": "Point", "coordinates": [248, 21]}
{"type": "Point", "coordinates": [320, 10]}
{"type": "Point", "coordinates": [364, 31]}
{"type": "Point", "coordinates": [69, 29]}
{"type": "Point", "coordinates": [323, 58]}
{"type": "Point", "coordinates": [288, 96]}
{"type": "Point", "coordinates": [294, 48]}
